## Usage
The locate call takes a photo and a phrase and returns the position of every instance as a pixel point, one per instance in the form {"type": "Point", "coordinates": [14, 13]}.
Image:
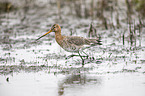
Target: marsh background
{"type": "Point", "coordinates": [116, 68]}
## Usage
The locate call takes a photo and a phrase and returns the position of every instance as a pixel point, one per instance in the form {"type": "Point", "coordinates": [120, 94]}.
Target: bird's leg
{"type": "Point", "coordinates": [70, 56]}
{"type": "Point", "coordinates": [92, 58]}
{"type": "Point", "coordinates": [82, 59]}
{"type": "Point", "coordinates": [85, 54]}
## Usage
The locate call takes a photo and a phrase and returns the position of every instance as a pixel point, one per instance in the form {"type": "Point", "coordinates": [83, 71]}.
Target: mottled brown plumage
{"type": "Point", "coordinates": [71, 43]}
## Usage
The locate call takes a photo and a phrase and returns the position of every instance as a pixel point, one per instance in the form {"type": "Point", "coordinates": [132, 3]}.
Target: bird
{"type": "Point", "coordinates": [71, 43]}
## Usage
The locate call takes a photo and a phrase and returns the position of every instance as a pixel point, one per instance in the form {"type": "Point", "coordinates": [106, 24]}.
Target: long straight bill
{"type": "Point", "coordinates": [44, 34]}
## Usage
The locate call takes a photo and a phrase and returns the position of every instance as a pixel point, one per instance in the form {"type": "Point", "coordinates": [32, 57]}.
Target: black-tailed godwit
{"type": "Point", "coordinates": [71, 43]}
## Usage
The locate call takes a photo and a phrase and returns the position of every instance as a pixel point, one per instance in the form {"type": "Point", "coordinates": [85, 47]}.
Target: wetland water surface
{"type": "Point", "coordinates": [48, 84]}
{"type": "Point", "coordinates": [29, 68]}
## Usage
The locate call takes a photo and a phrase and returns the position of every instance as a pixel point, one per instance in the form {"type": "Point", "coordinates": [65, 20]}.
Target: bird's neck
{"type": "Point", "coordinates": [58, 37]}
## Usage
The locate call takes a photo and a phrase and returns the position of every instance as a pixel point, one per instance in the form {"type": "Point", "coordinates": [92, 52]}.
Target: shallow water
{"type": "Point", "coordinates": [43, 83]}
{"type": "Point", "coordinates": [40, 68]}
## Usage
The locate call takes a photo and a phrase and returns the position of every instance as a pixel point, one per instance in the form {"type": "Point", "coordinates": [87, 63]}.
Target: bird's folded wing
{"type": "Point", "coordinates": [78, 41]}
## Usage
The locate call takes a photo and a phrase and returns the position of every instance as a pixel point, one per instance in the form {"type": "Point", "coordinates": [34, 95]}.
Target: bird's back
{"type": "Point", "coordinates": [75, 43]}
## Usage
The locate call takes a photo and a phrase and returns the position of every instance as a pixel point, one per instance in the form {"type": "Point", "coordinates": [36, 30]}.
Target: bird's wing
{"type": "Point", "coordinates": [79, 41]}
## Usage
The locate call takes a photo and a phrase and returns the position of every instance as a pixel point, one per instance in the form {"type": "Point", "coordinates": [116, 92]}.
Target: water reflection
{"type": "Point", "coordinates": [77, 80]}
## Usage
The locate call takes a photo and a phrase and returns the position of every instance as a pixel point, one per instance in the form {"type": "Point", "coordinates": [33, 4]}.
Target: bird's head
{"type": "Point", "coordinates": [54, 28]}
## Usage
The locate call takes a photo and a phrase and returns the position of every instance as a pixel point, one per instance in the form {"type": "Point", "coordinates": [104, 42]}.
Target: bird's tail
{"type": "Point", "coordinates": [95, 41]}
